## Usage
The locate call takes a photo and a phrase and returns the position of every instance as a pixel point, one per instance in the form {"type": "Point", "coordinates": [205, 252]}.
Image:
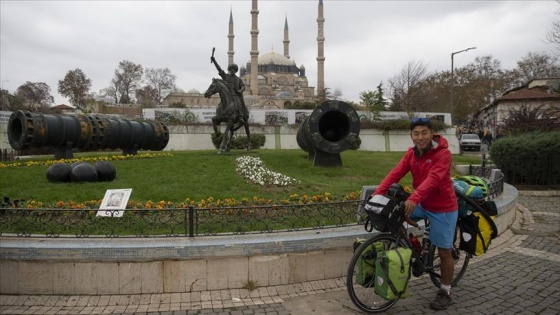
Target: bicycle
{"type": "Point", "coordinates": [393, 234]}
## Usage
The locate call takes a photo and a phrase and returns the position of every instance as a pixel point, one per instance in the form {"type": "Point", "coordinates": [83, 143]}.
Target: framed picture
{"type": "Point", "coordinates": [114, 201]}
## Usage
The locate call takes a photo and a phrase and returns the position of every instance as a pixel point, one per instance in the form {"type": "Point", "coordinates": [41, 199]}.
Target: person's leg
{"type": "Point", "coordinates": [442, 232]}
{"type": "Point", "coordinates": [446, 267]}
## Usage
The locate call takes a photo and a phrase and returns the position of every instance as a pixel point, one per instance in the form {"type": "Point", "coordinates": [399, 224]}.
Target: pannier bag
{"type": "Point", "coordinates": [476, 232]}
{"type": "Point", "coordinates": [384, 213]}
{"type": "Point", "coordinates": [365, 275]}
{"type": "Point", "coordinates": [392, 272]}
{"type": "Point", "coordinates": [490, 207]}
{"type": "Point", "coordinates": [473, 192]}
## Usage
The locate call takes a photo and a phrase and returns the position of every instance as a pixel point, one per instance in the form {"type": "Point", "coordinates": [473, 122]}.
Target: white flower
{"type": "Point", "coordinates": [253, 169]}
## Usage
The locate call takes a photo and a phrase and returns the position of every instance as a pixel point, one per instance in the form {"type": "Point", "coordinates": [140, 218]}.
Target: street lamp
{"type": "Point", "coordinates": [453, 81]}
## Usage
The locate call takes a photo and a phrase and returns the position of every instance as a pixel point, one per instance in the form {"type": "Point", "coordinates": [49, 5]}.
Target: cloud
{"type": "Point", "coordinates": [366, 41]}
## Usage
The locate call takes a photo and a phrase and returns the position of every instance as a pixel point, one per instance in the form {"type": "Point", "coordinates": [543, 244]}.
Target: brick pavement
{"type": "Point", "coordinates": [519, 275]}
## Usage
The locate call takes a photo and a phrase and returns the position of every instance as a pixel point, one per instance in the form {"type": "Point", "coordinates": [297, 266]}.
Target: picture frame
{"type": "Point", "coordinates": [114, 201]}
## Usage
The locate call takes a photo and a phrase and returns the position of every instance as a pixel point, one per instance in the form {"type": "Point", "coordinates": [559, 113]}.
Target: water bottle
{"type": "Point", "coordinates": [415, 243]}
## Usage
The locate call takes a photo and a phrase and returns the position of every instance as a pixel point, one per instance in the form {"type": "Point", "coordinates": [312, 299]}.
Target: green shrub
{"type": "Point", "coordinates": [239, 141]}
{"type": "Point", "coordinates": [528, 157]}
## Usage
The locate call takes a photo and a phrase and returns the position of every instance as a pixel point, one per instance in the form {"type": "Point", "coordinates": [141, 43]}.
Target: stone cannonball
{"type": "Point", "coordinates": [59, 172]}
{"type": "Point", "coordinates": [83, 173]}
{"type": "Point", "coordinates": [106, 171]}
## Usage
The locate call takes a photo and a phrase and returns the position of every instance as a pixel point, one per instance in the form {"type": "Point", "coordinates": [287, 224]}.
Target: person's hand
{"type": "Point", "coordinates": [212, 59]}
{"type": "Point", "coordinates": [408, 208]}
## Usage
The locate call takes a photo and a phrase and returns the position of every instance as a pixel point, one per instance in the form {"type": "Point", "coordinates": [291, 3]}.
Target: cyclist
{"type": "Point", "coordinates": [429, 162]}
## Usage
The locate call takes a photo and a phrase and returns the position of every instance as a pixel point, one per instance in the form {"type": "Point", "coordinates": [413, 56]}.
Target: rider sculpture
{"type": "Point", "coordinates": [232, 109]}
{"type": "Point", "coordinates": [236, 87]}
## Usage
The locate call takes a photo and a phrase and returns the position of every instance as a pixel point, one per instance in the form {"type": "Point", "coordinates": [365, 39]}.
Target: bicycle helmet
{"type": "Point", "coordinates": [475, 181]}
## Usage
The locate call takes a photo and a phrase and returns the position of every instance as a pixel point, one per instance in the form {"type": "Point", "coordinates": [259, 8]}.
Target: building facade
{"type": "Point", "coordinates": [273, 81]}
{"type": "Point", "coordinates": [538, 92]}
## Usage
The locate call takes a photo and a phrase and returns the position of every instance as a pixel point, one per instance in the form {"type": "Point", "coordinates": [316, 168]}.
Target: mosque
{"type": "Point", "coordinates": [273, 81]}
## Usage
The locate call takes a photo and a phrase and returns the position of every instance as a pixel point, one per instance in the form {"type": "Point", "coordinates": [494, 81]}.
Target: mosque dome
{"type": "Point", "coordinates": [193, 91]}
{"type": "Point", "coordinates": [276, 59]}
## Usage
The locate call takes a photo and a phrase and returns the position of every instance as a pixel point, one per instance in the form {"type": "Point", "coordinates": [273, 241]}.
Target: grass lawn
{"type": "Point", "coordinates": [202, 174]}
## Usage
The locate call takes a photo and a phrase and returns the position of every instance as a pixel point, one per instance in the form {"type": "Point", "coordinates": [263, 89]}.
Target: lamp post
{"type": "Point", "coordinates": [453, 81]}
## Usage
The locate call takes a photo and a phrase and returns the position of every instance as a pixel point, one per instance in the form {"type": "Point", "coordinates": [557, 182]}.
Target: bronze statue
{"type": "Point", "coordinates": [231, 109]}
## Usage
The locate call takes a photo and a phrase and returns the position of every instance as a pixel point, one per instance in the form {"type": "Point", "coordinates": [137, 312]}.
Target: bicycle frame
{"type": "Point", "coordinates": [359, 277]}
{"type": "Point", "coordinates": [422, 257]}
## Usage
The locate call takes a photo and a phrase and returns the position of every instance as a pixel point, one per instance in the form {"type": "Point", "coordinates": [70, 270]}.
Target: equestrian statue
{"type": "Point", "coordinates": [231, 109]}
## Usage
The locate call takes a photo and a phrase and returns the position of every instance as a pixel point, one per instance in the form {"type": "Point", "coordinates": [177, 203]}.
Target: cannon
{"type": "Point", "coordinates": [88, 132]}
{"type": "Point", "coordinates": [331, 128]}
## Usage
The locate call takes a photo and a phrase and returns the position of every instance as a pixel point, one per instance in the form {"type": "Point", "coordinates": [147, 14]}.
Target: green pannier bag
{"type": "Point", "coordinates": [365, 274]}
{"type": "Point", "coordinates": [392, 272]}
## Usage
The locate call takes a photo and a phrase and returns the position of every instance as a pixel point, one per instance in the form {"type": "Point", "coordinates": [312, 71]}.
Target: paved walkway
{"type": "Point", "coordinates": [519, 275]}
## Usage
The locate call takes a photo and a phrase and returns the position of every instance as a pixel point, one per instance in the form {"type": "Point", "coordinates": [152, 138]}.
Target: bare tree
{"type": "Point", "coordinates": [127, 77]}
{"type": "Point", "coordinates": [147, 96]}
{"type": "Point", "coordinates": [35, 95]}
{"type": "Point", "coordinates": [553, 36]}
{"type": "Point", "coordinates": [75, 86]}
{"type": "Point", "coordinates": [405, 88]}
{"type": "Point", "coordinates": [336, 94]}
{"type": "Point", "coordinates": [536, 65]}
{"type": "Point", "coordinates": [111, 91]}
{"type": "Point", "coordinates": [161, 80]}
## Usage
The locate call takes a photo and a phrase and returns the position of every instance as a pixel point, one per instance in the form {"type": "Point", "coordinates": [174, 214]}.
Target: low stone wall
{"type": "Point", "coordinates": [189, 137]}
{"type": "Point", "coordinates": [132, 266]}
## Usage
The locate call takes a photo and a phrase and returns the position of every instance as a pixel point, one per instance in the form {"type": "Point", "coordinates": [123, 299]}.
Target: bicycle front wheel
{"type": "Point", "coordinates": [360, 278]}
{"type": "Point", "coordinates": [460, 263]}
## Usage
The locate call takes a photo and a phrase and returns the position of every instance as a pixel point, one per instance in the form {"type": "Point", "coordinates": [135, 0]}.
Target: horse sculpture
{"type": "Point", "coordinates": [229, 112]}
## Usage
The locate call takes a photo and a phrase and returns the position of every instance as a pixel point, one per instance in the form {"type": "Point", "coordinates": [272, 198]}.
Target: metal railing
{"type": "Point", "coordinates": [193, 222]}
{"type": "Point", "coordinates": [538, 171]}
{"type": "Point", "coordinates": [179, 222]}
{"type": "Point", "coordinates": [8, 155]}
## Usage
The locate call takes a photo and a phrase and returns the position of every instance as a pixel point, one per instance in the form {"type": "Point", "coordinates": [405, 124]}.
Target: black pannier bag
{"type": "Point", "coordinates": [384, 213]}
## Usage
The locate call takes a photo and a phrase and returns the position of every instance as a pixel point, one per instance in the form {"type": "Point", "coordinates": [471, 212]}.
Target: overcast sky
{"type": "Point", "coordinates": [367, 42]}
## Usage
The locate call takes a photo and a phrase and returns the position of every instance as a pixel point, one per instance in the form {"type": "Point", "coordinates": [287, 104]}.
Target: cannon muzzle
{"type": "Point", "coordinates": [88, 132]}
{"type": "Point", "coordinates": [331, 128]}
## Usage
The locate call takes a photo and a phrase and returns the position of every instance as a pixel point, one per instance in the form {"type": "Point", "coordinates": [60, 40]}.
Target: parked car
{"type": "Point", "coordinates": [469, 141]}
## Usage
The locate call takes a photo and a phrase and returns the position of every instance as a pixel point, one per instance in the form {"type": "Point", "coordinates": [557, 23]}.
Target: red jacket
{"type": "Point", "coordinates": [431, 177]}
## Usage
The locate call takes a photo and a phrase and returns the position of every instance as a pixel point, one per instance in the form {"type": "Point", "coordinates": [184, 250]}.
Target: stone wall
{"type": "Point", "coordinates": [100, 266]}
{"type": "Point", "coordinates": [182, 138]}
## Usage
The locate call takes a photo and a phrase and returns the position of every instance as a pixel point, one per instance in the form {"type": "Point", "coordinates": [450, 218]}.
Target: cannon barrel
{"type": "Point", "coordinates": [331, 128]}
{"type": "Point", "coordinates": [89, 132]}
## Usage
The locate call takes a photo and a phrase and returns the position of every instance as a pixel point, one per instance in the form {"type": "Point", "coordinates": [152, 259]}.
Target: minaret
{"type": "Point", "coordinates": [320, 54]}
{"type": "Point", "coordinates": [230, 52]}
{"type": "Point", "coordinates": [286, 40]}
{"type": "Point", "coordinates": [255, 49]}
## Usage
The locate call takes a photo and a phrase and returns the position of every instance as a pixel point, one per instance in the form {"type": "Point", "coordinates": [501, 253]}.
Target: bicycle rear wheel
{"type": "Point", "coordinates": [360, 285]}
{"type": "Point", "coordinates": [460, 262]}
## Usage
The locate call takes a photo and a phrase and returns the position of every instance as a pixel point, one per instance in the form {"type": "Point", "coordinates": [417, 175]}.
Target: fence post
{"type": "Point", "coordinates": [191, 221]}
